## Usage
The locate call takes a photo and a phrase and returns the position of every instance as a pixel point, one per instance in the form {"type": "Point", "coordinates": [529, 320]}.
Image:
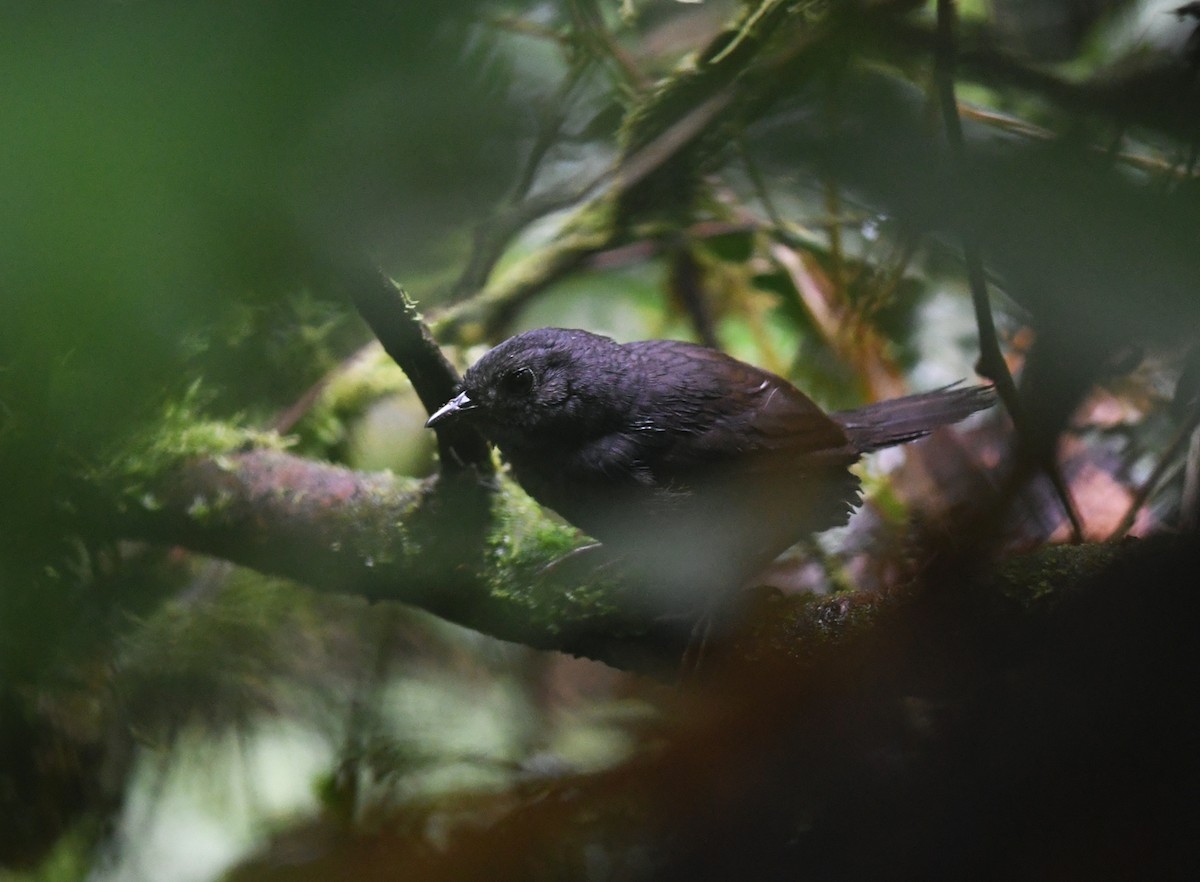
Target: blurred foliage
{"type": "Point", "coordinates": [170, 174]}
{"type": "Point", "coordinates": [175, 179]}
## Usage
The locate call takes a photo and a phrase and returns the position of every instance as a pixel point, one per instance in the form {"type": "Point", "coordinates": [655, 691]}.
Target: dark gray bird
{"type": "Point", "coordinates": [696, 468]}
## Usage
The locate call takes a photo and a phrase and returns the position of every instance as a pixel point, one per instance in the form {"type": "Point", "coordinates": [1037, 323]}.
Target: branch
{"type": "Point", "coordinates": [479, 553]}
{"type": "Point", "coordinates": [668, 137]}
{"type": "Point", "coordinates": [991, 360]}
{"type": "Point", "coordinates": [472, 552]}
{"type": "Point", "coordinates": [494, 307]}
{"type": "Point", "coordinates": [395, 321]}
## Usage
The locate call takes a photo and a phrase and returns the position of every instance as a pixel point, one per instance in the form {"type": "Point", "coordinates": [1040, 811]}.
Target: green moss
{"type": "Point", "coordinates": [370, 376]}
{"type": "Point", "coordinates": [526, 549]}
{"type": "Point", "coordinates": [71, 857]}
{"type": "Point", "coordinates": [1049, 574]}
{"type": "Point", "coordinates": [801, 626]}
{"type": "Point", "coordinates": [522, 539]}
{"type": "Point", "coordinates": [179, 434]}
{"type": "Point", "coordinates": [522, 530]}
{"type": "Point", "coordinates": [206, 510]}
{"type": "Point", "coordinates": [167, 668]}
{"type": "Point", "coordinates": [881, 491]}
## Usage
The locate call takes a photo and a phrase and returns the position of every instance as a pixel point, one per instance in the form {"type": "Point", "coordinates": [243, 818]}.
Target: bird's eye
{"type": "Point", "coordinates": [517, 382]}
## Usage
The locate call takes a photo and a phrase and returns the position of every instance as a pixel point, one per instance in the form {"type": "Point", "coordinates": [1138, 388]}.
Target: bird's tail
{"type": "Point", "coordinates": [905, 419]}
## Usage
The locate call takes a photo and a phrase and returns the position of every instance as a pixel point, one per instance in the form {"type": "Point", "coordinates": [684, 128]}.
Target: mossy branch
{"type": "Point", "coordinates": [425, 543]}
{"type": "Point", "coordinates": [469, 551]}
{"type": "Point", "coordinates": [394, 319]}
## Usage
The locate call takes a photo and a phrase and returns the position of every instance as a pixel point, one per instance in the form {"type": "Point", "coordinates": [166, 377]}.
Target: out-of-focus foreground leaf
{"type": "Point", "coordinates": [162, 161]}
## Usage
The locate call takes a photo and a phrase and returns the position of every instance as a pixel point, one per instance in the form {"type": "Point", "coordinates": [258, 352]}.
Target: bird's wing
{"type": "Point", "coordinates": [711, 408]}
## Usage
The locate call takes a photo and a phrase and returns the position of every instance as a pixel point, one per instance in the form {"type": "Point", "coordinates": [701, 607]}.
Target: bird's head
{"type": "Point", "coordinates": [536, 388]}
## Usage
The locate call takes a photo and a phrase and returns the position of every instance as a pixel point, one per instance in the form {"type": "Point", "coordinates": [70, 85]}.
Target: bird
{"type": "Point", "coordinates": [691, 467]}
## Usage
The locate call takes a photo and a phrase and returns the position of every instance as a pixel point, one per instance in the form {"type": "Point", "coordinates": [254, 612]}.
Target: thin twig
{"type": "Point", "coordinates": [395, 321]}
{"type": "Point", "coordinates": [493, 235]}
{"type": "Point", "coordinates": [991, 359]}
{"type": "Point", "coordinates": [1179, 441]}
{"type": "Point", "coordinates": [833, 230]}
{"type": "Point", "coordinates": [287, 419]}
{"type": "Point", "coordinates": [1024, 129]}
{"type": "Point", "coordinates": [496, 304]}
{"type": "Point", "coordinates": [886, 288]}
{"type": "Point", "coordinates": [685, 278]}
{"type": "Point", "coordinates": [593, 34]}
{"type": "Point", "coordinates": [759, 183]}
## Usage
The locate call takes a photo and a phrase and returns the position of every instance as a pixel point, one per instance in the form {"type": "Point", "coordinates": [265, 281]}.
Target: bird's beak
{"type": "Point", "coordinates": [460, 403]}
